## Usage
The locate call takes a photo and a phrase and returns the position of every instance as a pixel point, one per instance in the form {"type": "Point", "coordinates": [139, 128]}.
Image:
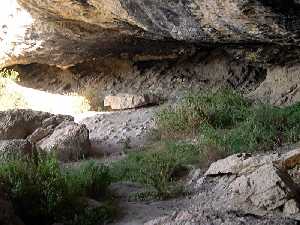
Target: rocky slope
{"type": "Point", "coordinates": [67, 32]}
{"type": "Point", "coordinates": [243, 189]}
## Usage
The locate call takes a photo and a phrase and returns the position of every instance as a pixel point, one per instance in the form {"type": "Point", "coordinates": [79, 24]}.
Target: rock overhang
{"type": "Point", "coordinates": [68, 32]}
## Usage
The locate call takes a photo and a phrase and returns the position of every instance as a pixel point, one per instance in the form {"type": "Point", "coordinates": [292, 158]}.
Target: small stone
{"type": "Point", "coordinates": [290, 159]}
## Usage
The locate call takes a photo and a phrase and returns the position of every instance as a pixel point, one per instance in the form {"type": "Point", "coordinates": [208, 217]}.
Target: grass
{"type": "Point", "coordinates": [43, 193]}
{"type": "Point", "coordinates": [157, 169]}
{"type": "Point", "coordinates": [221, 109]}
{"type": "Point", "coordinates": [202, 128]}
{"type": "Point", "coordinates": [226, 121]}
{"type": "Point", "coordinates": [205, 127]}
{"type": "Point", "coordinates": [9, 74]}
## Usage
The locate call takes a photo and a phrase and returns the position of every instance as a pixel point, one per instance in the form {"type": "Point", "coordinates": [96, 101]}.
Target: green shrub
{"type": "Point", "coordinates": [229, 123]}
{"type": "Point", "coordinates": [221, 109]}
{"type": "Point", "coordinates": [43, 193]}
{"type": "Point", "coordinates": [156, 169]}
{"type": "Point", "coordinates": [90, 178]}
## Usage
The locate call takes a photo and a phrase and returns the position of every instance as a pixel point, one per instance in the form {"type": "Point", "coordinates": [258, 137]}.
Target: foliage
{"type": "Point", "coordinates": [156, 169]}
{"type": "Point", "coordinates": [226, 121]}
{"type": "Point", "coordinates": [220, 109]}
{"type": "Point", "coordinates": [43, 193]}
{"type": "Point", "coordinates": [9, 74]}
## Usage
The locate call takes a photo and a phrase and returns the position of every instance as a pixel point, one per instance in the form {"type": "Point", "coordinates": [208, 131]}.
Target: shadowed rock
{"type": "Point", "coordinates": [71, 31]}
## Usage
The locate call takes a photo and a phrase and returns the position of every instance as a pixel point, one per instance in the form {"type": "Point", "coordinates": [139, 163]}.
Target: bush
{"type": "Point", "coordinates": [229, 123]}
{"type": "Point", "coordinates": [43, 193]}
{"type": "Point", "coordinates": [220, 109]}
{"type": "Point", "coordinates": [156, 169]}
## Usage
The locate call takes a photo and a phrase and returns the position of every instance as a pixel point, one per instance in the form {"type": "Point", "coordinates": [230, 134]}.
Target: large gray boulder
{"type": "Point", "coordinates": [67, 32]}
{"type": "Point", "coordinates": [12, 148]}
{"type": "Point", "coordinates": [20, 130]}
{"type": "Point", "coordinates": [69, 140]}
{"type": "Point", "coordinates": [243, 189]}
{"type": "Point", "coordinates": [19, 123]}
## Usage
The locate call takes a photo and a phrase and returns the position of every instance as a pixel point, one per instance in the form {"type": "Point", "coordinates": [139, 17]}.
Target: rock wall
{"type": "Point", "coordinates": [68, 32]}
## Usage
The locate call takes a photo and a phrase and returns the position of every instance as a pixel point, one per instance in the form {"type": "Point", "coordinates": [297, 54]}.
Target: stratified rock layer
{"type": "Point", "coordinates": [67, 32]}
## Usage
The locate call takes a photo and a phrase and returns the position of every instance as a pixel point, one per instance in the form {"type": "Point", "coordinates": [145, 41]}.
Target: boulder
{"type": "Point", "coordinates": [20, 129]}
{"type": "Point", "coordinates": [69, 140]}
{"type": "Point", "coordinates": [11, 148]}
{"type": "Point", "coordinates": [260, 180]}
{"type": "Point", "coordinates": [241, 189]}
{"type": "Point", "coordinates": [267, 187]}
{"type": "Point", "coordinates": [129, 101]}
{"type": "Point", "coordinates": [18, 124]}
{"type": "Point", "coordinates": [30, 31]}
{"type": "Point", "coordinates": [21, 123]}
{"type": "Point", "coordinates": [239, 163]}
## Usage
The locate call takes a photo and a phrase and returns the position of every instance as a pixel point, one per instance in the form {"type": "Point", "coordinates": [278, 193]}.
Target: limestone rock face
{"type": "Point", "coordinates": [281, 86]}
{"type": "Point", "coordinates": [243, 189]}
{"type": "Point", "coordinates": [67, 32]}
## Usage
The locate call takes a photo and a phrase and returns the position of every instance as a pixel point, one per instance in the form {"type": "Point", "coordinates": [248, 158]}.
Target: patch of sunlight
{"type": "Point", "coordinates": [15, 22]}
{"type": "Point", "coordinates": [13, 95]}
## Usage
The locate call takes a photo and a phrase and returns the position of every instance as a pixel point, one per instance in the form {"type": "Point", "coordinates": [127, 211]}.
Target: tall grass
{"type": "Point", "coordinates": [230, 123]}
{"type": "Point", "coordinates": [156, 168]}
{"type": "Point", "coordinates": [43, 193]}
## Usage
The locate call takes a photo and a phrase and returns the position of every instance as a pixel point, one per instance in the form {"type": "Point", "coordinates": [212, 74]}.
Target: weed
{"type": "Point", "coordinates": [43, 193]}
{"type": "Point", "coordinates": [220, 109]}
{"type": "Point", "coordinates": [9, 74]}
{"type": "Point", "coordinates": [228, 123]}
{"type": "Point", "coordinates": [156, 169]}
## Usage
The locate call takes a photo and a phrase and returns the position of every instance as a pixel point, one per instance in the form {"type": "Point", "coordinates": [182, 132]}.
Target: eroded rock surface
{"type": "Point", "coordinates": [69, 140]}
{"type": "Point", "coordinates": [116, 132]}
{"type": "Point", "coordinates": [71, 31]}
{"type": "Point", "coordinates": [20, 130]}
{"type": "Point", "coordinates": [281, 86]}
{"type": "Point", "coordinates": [18, 124]}
{"type": "Point", "coordinates": [243, 189]}
{"type": "Point", "coordinates": [16, 147]}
